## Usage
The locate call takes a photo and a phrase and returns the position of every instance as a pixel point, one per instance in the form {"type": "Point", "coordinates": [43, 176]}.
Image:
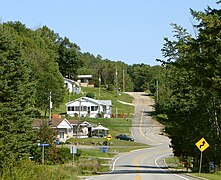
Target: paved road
{"type": "Point", "coordinates": [147, 163]}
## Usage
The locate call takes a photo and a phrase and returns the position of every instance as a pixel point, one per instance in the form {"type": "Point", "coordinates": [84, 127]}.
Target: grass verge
{"type": "Point", "coordinates": [175, 165]}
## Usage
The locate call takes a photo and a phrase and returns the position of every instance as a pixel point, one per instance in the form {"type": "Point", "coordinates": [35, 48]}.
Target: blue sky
{"type": "Point", "coordinates": [130, 31]}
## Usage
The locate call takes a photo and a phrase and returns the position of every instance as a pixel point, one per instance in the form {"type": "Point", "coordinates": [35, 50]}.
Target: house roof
{"type": "Point", "coordinates": [84, 76]}
{"type": "Point", "coordinates": [106, 102]}
{"type": "Point", "coordinates": [69, 80]}
{"type": "Point", "coordinates": [100, 127]}
{"type": "Point", "coordinates": [101, 102]}
{"type": "Point", "coordinates": [55, 122]}
{"type": "Point", "coordinates": [74, 122]}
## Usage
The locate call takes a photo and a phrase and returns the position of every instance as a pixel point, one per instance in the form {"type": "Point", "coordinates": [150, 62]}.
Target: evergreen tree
{"type": "Point", "coordinates": [194, 107]}
{"type": "Point", "coordinates": [16, 134]}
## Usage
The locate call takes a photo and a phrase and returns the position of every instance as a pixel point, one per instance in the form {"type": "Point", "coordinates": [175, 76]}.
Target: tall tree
{"type": "Point", "coordinates": [68, 59]}
{"type": "Point", "coordinates": [16, 135]}
{"type": "Point", "coordinates": [194, 109]}
{"type": "Point", "coordinates": [40, 53]}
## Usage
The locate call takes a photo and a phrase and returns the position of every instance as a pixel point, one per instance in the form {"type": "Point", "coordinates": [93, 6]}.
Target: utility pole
{"type": "Point", "coordinates": [157, 91]}
{"type": "Point", "coordinates": [50, 106]}
{"type": "Point", "coordinates": [99, 84]}
{"type": "Point", "coordinates": [116, 81]}
{"type": "Point", "coordinates": [123, 82]}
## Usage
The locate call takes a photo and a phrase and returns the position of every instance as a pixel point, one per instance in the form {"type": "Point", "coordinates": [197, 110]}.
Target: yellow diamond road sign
{"type": "Point", "coordinates": [109, 137]}
{"type": "Point", "coordinates": [202, 144]}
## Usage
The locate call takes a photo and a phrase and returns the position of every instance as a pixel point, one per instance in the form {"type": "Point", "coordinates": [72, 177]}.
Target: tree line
{"type": "Point", "coordinates": [190, 89]}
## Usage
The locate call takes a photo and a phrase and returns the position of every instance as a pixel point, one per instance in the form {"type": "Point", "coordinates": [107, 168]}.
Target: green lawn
{"type": "Point", "coordinates": [214, 176]}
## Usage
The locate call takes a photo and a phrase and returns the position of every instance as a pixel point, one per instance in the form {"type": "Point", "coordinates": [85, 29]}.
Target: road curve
{"type": "Point", "coordinates": [147, 163]}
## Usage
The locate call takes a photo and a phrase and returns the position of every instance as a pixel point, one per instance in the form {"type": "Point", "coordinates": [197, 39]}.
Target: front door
{"type": "Point", "coordinates": [88, 110]}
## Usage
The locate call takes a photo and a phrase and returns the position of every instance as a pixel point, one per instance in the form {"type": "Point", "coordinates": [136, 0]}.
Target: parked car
{"type": "Point", "coordinates": [124, 137]}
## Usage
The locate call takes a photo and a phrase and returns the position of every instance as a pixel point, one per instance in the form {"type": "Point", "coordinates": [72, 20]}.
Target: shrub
{"type": "Point", "coordinates": [90, 95]}
{"type": "Point", "coordinates": [110, 87]}
{"type": "Point", "coordinates": [89, 166]}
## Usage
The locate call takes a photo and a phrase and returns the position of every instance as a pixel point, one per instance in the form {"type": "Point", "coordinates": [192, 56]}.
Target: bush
{"type": "Point", "coordinates": [90, 95]}
{"type": "Point", "coordinates": [110, 87]}
{"type": "Point", "coordinates": [66, 156]}
{"type": "Point", "coordinates": [89, 166]}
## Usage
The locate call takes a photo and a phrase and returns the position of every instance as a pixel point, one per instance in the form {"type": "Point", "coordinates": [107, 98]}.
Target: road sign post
{"type": "Point", "coordinates": [43, 151]}
{"type": "Point", "coordinates": [202, 146]}
{"type": "Point", "coordinates": [73, 150]}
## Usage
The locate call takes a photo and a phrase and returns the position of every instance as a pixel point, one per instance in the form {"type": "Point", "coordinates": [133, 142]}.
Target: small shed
{"type": "Point", "coordinates": [100, 131]}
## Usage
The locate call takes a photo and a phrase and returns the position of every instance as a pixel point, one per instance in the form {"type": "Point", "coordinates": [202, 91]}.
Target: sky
{"type": "Point", "coordinates": [131, 31]}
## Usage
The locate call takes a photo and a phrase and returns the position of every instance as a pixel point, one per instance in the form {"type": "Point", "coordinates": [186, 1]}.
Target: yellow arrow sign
{"type": "Point", "coordinates": [202, 144]}
{"type": "Point", "coordinates": [109, 137]}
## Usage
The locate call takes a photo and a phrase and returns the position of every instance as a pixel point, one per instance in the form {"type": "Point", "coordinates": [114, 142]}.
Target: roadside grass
{"type": "Point", "coordinates": [27, 170]}
{"type": "Point", "coordinates": [214, 176]}
{"type": "Point", "coordinates": [175, 165]}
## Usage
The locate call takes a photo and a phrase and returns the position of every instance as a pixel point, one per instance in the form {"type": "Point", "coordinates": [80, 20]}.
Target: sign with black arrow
{"type": "Point", "coordinates": [202, 144]}
{"type": "Point", "coordinates": [109, 137]}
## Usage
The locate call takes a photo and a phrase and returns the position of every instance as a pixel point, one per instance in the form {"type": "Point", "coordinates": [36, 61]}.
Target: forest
{"type": "Point", "coordinates": [186, 87]}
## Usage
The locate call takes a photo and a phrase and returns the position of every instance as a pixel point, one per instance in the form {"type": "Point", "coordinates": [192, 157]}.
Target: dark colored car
{"type": "Point", "coordinates": [124, 137]}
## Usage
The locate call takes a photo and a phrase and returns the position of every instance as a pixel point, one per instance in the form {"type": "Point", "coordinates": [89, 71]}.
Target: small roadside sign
{"type": "Point", "coordinates": [73, 149]}
{"type": "Point", "coordinates": [202, 144]}
{"type": "Point", "coordinates": [43, 145]}
{"type": "Point", "coordinates": [109, 137]}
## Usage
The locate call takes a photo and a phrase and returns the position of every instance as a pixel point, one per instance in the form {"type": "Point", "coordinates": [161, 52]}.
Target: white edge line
{"type": "Point", "coordinates": [113, 165]}
{"type": "Point", "coordinates": [167, 166]}
{"type": "Point", "coordinates": [90, 178]}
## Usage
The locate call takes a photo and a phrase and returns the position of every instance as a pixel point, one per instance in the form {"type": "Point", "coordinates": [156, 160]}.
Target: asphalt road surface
{"type": "Point", "coordinates": [144, 164]}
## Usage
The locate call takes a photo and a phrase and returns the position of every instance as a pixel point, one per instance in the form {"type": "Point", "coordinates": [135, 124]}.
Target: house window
{"type": "Point", "coordinates": [62, 135]}
{"type": "Point", "coordinates": [84, 108]}
{"type": "Point", "coordinates": [70, 108]}
{"type": "Point", "coordinates": [94, 108]}
{"type": "Point", "coordinates": [76, 108]}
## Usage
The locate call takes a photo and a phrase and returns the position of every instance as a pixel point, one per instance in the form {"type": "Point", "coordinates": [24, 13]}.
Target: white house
{"type": "Point", "coordinates": [62, 126]}
{"type": "Point", "coordinates": [71, 86]}
{"type": "Point", "coordinates": [85, 80]}
{"type": "Point", "coordinates": [86, 106]}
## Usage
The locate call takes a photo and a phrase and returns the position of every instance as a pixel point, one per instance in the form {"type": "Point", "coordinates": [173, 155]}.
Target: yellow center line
{"type": "Point", "coordinates": [138, 176]}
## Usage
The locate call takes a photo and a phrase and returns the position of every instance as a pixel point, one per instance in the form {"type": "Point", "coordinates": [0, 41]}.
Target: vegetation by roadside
{"type": "Point", "coordinates": [176, 165]}
{"type": "Point", "coordinates": [214, 176]}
